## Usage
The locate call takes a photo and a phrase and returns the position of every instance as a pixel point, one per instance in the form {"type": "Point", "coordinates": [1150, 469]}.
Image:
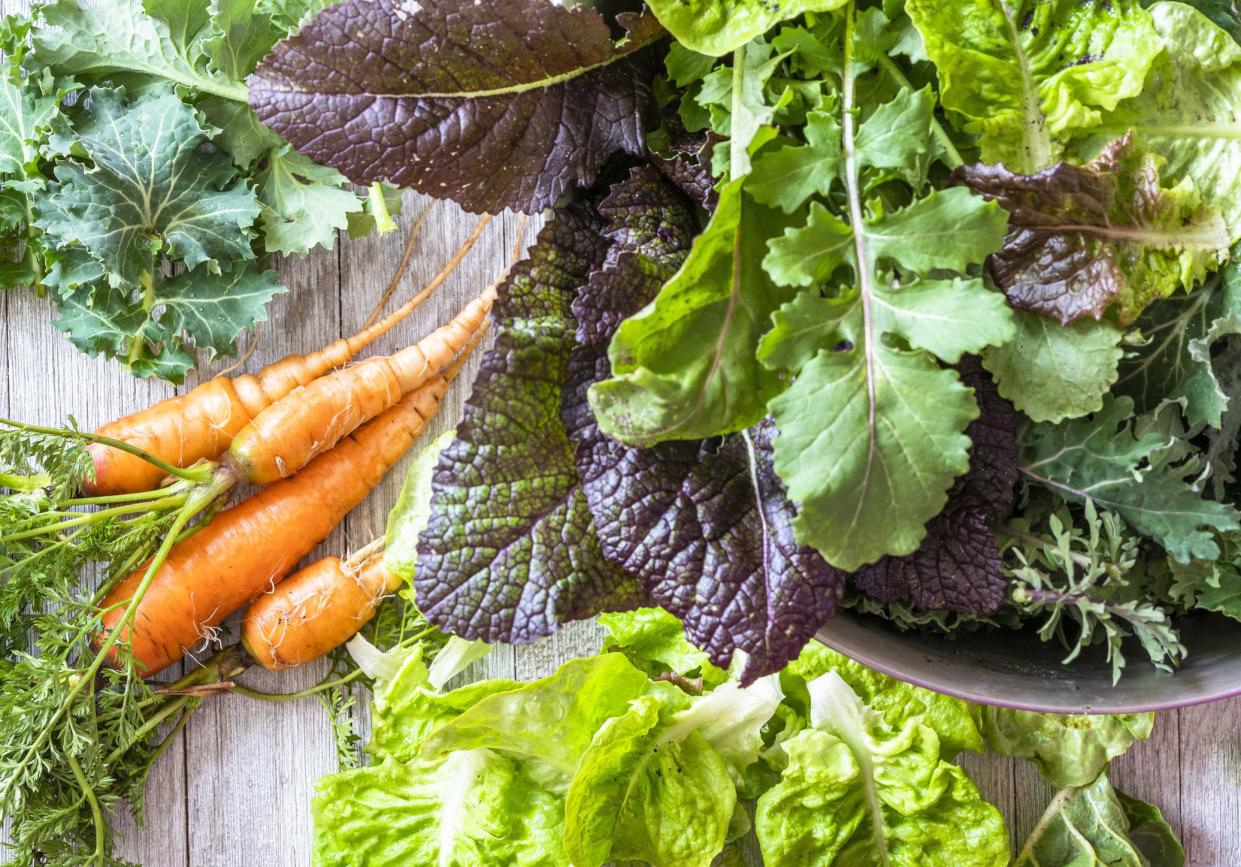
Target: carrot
{"type": "Point", "coordinates": [249, 547]}
{"type": "Point", "coordinates": [315, 610]}
{"type": "Point", "coordinates": [201, 423]}
{"type": "Point", "coordinates": [308, 421]}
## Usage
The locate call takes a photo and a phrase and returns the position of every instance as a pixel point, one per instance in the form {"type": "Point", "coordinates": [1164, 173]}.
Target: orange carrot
{"type": "Point", "coordinates": [315, 610]}
{"type": "Point", "coordinates": [201, 423]}
{"type": "Point", "coordinates": [249, 547]}
{"type": "Point", "coordinates": [309, 421]}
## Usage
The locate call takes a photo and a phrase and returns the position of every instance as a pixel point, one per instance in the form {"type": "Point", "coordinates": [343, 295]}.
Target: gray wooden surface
{"type": "Point", "coordinates": [236, 791]}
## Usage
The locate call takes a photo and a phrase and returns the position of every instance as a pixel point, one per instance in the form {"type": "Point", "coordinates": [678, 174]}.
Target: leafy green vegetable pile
{"type": "Point", "coordinates": [924, 307]}
{"type": "Point", "coordinates": [137, 187]}
{"type": "Point", "coordinates": [649, 753]}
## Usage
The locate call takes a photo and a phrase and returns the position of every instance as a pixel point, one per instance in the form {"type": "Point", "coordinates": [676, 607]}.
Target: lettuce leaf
{"type": "Point", "coordinates": [1188, 111]}
{"type": "Point", "coordinates": [641, 794]}
{"type": "Point", "coordinates": [407, 94]}
{"type": "Point", "coordinates": [1095, 824]}
{"type": "Point", "coordinates": [468, 807]}
{"type": "Point", "coordinates": [1083, 239]}
{"type": "Point", "coordinates": [1069, 749]}
{"type": "Point", "coordinates": [859, 791]}
{"type": "Point", "coordinates": [683, 367]}
{"type": "Point", "coordinates": [472, 807]}
{"type": "Point", "coordinates": [1027, 76]}
{"type": "Point", "coordinates": [716, 27]}
{"type": "Point", "coordinates": [954, 722]}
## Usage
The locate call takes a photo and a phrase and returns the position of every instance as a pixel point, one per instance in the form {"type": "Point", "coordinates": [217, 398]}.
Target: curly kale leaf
{"type": "Point", "coordinates": [144, 190]}
{"type": "Point", "coordinates": [510, 550]}
{"type": "Point", "coordinates": [194, 309]}
{"type": "Point", "coordinates": [1118, 466]}
{"type": "Point", "coordinates": [958, 567]}
{"type": "Point", "coordinates": [493, 104]}
{"type": "Point", "coordinates": [704, 525]}
{"type": "Point", "coordinates": [147, 187]}
{"type": "Point", "coordinates": [1082, 239]}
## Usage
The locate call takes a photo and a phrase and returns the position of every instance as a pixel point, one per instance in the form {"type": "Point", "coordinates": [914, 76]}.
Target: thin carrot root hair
{"type": "Point", "coordinates": [201, 423]}
{"type": "Point", "coordinates": [406, 254]}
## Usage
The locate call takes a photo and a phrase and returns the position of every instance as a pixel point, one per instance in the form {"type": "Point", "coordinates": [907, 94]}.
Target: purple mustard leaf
{"type": "Point", "coordinates": [495, 105]}
{"type": "Point", "coordinates": [510, 551]}
{"type": "Point", "coordinates": [704, 525]}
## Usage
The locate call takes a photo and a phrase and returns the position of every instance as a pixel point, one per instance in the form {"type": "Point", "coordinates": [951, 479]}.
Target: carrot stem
{"type": "Point", "coordinates": [89, 794]}
{"type": "Point", "coordinates": [197, 502]}
{"type": "Point", "coordinates": [294, 696]}
{"type": "Point", "coordinates": [190, 474]}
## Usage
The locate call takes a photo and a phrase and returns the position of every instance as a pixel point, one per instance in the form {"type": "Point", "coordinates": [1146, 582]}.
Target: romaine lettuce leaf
{"type": "Point", "coordinates": [1095, 824]}
{"type": "Point", "coordinates": [1028, 75]}
{"type": "Point", "coordinates": [858, 791]}
{"type": "Point", "coordinates": [647, 794]}
{"type": "Point", "coordinates": [954, 721]}
{"type": "Point", "coordinates": [1070, 750]}
{"type": "Point", "coordinates": [472, 807]}
{"type": "Point", "coordinates": [552, 720]}
{"type": "Point", "coordinates": [1189, 111]}
{"type": "Point", "coordinates": [716, 27]}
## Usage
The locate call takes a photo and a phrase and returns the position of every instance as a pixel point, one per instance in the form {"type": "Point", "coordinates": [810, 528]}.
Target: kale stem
{"type": "Point", "coordinates": [952, 156]}
{"type": "Point", "coordinates": [294, 696]}
{"type": "Point", "coordinates": [199, 500]}
{"type": "Point", "coordinates": [198, 474]}
{"type": "Point", "coordinates": [89, 794]}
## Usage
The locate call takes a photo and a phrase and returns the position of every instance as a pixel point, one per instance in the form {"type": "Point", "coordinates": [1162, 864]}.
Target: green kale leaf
{"type": "Point", "coordinates": [1109, 462]}
{"type": "Point", "coordinates": [146, 188]}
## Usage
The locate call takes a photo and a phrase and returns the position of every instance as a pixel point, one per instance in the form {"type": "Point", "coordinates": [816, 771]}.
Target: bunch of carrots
{"type": "Point", "coordinates": [317, 434]}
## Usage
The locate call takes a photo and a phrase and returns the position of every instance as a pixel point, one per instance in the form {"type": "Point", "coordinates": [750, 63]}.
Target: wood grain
{"type": "Point", "coordinates": [238, 789]}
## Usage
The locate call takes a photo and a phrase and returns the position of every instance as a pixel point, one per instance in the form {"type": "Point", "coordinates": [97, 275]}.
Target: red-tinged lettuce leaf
{"type": "Point", "coordinates": [957, 566]}
{"type": "Point", "coordinates": [496, 105]}
{"type": "Point", "coordinates": [704, 525]}
{"type": "Point", "coordinates": [510, 551]}
{"type": "Point", "coordinates": [1084, 238]}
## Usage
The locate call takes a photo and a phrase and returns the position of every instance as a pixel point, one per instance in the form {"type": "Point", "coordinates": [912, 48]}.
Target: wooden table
{"type": "Point", "coordinates": [236, 790]}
